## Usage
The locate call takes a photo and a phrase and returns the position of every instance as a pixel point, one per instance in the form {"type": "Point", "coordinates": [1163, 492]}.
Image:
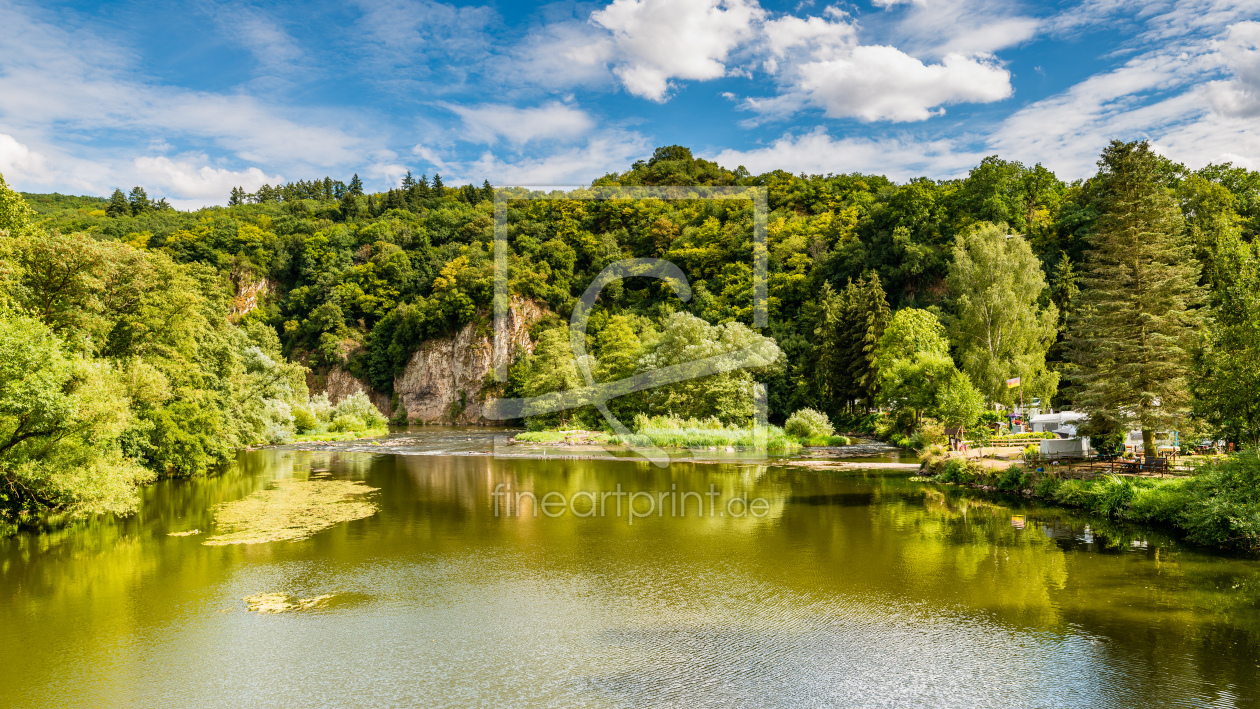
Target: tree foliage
{"type": "Point", "coordinates": [1138, 319]}
{"type": "Point", "coordinates": [999, 329]}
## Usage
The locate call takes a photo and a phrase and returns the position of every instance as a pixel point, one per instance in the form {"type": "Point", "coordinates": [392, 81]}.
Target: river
{"type": "Point", "coordinates": [775, 587]}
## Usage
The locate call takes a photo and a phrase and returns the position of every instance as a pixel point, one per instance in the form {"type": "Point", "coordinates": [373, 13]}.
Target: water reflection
{"type": "Point", "coordinates": [854, 589]}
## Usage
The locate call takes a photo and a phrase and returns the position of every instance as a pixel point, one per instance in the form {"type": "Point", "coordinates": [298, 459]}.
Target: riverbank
{"type": "Point", "coordinates": [329, 436]}
{"type": "Point", "coordinates": [1217, 505]}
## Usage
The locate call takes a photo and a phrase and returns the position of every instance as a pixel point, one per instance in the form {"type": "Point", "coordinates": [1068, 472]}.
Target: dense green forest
{"type": "Point", "coordinates": [1134, 294]}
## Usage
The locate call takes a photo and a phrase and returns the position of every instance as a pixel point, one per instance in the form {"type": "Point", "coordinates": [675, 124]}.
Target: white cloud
{"type": "Point", "coordinates": [609, 151]}
{"type": "Point", "coordinates": [564, 54]}
{"type": "Point", "coordinates": [277, 52]}
{"type": "Point", "coordinates": [18, 162]}
{"type": "Point", "coordinates": [821, 37]}
{"type": "Point", "coordinates": [423, 36]}
{"type": "Point", "coordinates": [660, 40]}
{"type": "Point", "coordinates": [186, 182]}
{"type": "Point", "coordinates": [882, 83]}
{"type": "Point", "coordinates": [820, 62]}
{"type": "Point", "coordinates": [818, 153]}
{"type": "Point", "coordinates": [1239, 50]}
{"type": "Point", "coordinates": [941, 27]}
{"type": "Point", "coordinates": [1164, 93]}
{"type": "Point", "coordinates": [488, 123]}
{"type": "Point", "coordinates": [63, 87]}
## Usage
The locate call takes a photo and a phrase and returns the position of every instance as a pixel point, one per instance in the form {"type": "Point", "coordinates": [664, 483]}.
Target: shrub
{"type": "Point", "coordinates": [1032, 452]}
{"type": "Point", "coordinates": [1046, 487]}
{"type": "Point", "coordinates": [347, 423]}
{"type": "Point", "coordinates": [1111, 496]}
{"type": "Point", "coordinates": [1161, 501]}
{"type": "Point", "coordinates": [808, 423]}
{"type": "Point", "coordinates": [1074, 493]}
{"type": "Point", "coordinates": [303, 420]}
{"type": "Point", "coordinates": [957, 470]}
{"type": "Point", "coordinates": [358, 406]}
{"type": "Point", "coordinates": [677, 432]}
{"type": "Point", "coordinates": [1224, 505]}
{"type": "Point", "coordinates": [1013, 479]}
{"type": "Point", "coordinates": [321, 408]}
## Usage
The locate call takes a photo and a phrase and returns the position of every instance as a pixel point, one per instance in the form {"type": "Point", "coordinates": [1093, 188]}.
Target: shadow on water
{"type": "Point", "coordinates": [859, 588]}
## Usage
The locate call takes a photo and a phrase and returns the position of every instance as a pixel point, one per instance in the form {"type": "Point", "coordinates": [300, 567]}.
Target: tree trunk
{"type": "Point", "coordinates": [1148, 442]}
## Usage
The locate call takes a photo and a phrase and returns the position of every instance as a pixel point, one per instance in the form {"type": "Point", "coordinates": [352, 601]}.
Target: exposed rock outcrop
{"type": "Point", "coordinates": [338, 384]}
{"type": "Point", "coordinates": [249, 293]}
{"type": "Point", "coordinates": [447, 379]}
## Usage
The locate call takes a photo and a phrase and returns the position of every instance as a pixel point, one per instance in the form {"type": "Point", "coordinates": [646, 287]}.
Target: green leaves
{"type": "Point", "coordinates": [1138, 314]}
{"type": "Point", "coordinates": [999, 328]}
{"type": "Point", "coordinates": [60, 418]}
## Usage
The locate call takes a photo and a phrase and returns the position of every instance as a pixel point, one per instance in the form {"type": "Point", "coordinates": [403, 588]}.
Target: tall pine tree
{"type": "Point", "coordinates": [118, 205]}
{"type": "Point", "coordinates": [1138, 313]}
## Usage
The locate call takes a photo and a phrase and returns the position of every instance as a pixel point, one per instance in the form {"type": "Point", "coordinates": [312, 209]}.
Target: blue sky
{"type": "Point", "coordinates": [190, 99]}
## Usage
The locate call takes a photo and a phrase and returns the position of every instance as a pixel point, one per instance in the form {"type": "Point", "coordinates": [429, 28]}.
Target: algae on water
{"type": "Point", "coordinates": [281, 602]}
{"type": "Point", "coordinates": [292, 510]}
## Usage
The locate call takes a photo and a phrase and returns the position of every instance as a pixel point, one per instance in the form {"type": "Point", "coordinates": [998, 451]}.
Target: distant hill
{"type": "Point", "coordinates": [57, 205]}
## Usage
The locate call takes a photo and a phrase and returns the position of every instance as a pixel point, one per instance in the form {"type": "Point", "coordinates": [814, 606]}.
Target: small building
{"type": "Point", "coordinates": [1065, 448]}
{"type": "Point", "coordinates": [1062, 423]}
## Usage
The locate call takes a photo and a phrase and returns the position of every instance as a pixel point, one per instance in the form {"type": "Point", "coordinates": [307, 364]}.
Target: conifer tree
{"type": "Point", "coordinates": [138, 201]}
{"type": "Point", "coordinates": [1137, 314]}
{"type": "Point", "coordinates": [876, 316]}
{"type": "Point", "coordinates": [356, 186]}
{"type": "Point", "coordinates": [118, 205]}
{"type": "Point", "coordinates": [437, 190]}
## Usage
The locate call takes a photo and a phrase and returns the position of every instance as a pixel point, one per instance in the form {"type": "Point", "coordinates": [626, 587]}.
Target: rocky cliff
{"type": "Point", "coordinates": [447, 379]}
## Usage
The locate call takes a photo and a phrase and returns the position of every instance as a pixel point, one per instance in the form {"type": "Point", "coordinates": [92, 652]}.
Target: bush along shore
{"type": "Point", "coordinates": [1218, 505]}
{"type": "Point", "coordinates": [691, 433]}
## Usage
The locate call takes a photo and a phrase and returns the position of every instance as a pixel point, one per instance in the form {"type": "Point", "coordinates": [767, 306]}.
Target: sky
{"type": "Point", "coordinates": [190, 99]}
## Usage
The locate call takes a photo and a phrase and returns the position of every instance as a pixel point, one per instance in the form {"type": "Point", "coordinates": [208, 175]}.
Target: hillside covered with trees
{"type": "Point", "coordinates": [1134, 295]}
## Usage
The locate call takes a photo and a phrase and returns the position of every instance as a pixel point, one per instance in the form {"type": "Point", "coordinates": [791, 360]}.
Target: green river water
{"type": "Point", "coordinates": [848, 589]}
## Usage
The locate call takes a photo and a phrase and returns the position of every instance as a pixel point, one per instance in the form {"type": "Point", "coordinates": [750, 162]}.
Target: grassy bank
{"type": "Point", "coordinates": [571, 437]}
{"type": "Point", "coordinates": [822, 441]}
{"type": "Point", "coordinates": [674, 432]}
{"type": "Point", "coordinates": [1218, 505]}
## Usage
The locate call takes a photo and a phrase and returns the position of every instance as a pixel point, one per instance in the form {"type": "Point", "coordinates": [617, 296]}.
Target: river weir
{"type": "Point", "coordinates": [394, 572]}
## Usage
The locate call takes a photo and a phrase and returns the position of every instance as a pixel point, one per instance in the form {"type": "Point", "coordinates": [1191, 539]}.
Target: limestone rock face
{"type": "Point", "coordinates": [447, 379]}
{"type": "Point", "coordinates": [248, 294]}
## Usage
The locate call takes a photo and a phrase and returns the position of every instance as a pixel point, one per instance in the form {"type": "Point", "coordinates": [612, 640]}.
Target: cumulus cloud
{"type": "Point", "coordinates": [818, 153]}
{"type": "Point", "coordinates": [820, 62]}
{"type": "Point", "coordinates": [604, 152]}
{"type": "Point", "coordinates": [19, 162]}
{"type": "Point", "coordinates": [1164, 94]}
{"type": "Point", "coordinates": [186, 181]}
{"type": "Point", "coordinates": [660, 40]}
{"type": "Point", "coordinates": [1239, 51]}
{"type": "Point", "coordinates": [64, 87]}
{"type": "Point", "coordinates": [561, 54]}
{"type": "Point", "coordinates": [488, 123]}
{"type": "Point", "coordinates": [883, 83]}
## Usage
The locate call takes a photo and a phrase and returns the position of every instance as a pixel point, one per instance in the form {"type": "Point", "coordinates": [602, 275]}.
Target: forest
{"type": "Point", "coordinates": [1133, 295]}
